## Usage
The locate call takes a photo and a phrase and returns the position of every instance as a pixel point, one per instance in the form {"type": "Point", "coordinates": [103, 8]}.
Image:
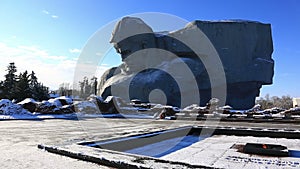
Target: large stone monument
{"type": "Point", "coordinates": [153, 62]}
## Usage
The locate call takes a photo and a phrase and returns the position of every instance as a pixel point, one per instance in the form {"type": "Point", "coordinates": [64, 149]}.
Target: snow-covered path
{"type": "Point", "coordinates": [19, 138]}
{"type": "Point", "coordinates": [19, 141]}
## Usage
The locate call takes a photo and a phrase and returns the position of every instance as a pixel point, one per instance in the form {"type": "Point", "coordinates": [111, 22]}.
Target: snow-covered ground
{"type": "Point", "coordinates": [114, 107]}
{"type": "Point", "coordinates": [217, 151]}
{"type": "Point", "coordinates": [19, 139]}
{"type": "Point", "coordinates": [220, 151]}
{"type": "Point", "coordinates": [71, 116]}
{"type": "Point", "coordinates": [13, 111]}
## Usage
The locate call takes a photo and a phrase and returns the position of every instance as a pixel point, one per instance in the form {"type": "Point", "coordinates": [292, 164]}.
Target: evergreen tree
{"type": "Point", "coordinates": [10, 81]}
{"type": "Point", "coordinates": [42, 92]}
{"type": "Point", "coordinates": [33, 84]}
{"type": "Point", "coordinates": [33, 79]}
{"type": "Point", "coordinates": [22, 88]}
{"type": "Point", "coordinates": [38, 90]}
{"type": "Point", "coordinates": [1, 90]}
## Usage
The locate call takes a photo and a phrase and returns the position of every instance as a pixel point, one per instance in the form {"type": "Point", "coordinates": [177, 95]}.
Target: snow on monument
{"type": "Point", "coordinates": [152, 62]}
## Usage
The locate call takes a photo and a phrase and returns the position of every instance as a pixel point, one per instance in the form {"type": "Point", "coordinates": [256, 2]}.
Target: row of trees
{"type": "Point", "coordinates": [65, 89]}
{"type": "Point", "coordinates": [87, 87]}
{"type": "Point", "coordinates": [284, 102]}
{"type": "Point", "coordinates": [24, 85]}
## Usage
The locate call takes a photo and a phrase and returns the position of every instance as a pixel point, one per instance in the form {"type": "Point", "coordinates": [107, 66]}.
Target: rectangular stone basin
{"type": "Point", "coordinates": [154, 144]}
{"type": "Point", "coordinates": [161, 143]}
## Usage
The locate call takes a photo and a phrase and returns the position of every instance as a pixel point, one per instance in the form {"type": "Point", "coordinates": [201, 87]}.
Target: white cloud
{"type": "Point", "coordinates": [54, 16]}
{"type": "Point", "coordinates": [51, 70]}
{"type": "Point", "coordinates": [43, 54]}
{"type": "Point", "coordinates": [45, 12]}
{"type": "Point", "coordinates": [74, 50]}
{"type": "Point", "coordinates": [48, 13]}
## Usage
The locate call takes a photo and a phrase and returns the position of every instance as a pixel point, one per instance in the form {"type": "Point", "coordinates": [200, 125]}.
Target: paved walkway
{"type": "Point", "coordinates": [19, 139]}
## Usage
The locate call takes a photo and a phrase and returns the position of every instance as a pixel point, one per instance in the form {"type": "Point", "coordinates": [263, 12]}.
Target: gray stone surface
{"type": "Point", "coordinates": [163, 68]}
{"type": "Point", "coordinates": [19, 138]}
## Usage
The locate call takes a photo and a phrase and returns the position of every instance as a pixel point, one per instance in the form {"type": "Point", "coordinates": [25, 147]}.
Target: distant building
{"type": "Point", "coordinates": [296, 102]}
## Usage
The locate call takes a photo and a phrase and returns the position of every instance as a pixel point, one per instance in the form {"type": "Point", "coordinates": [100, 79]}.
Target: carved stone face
{"type": "Point", "coordinates": [129, 36]}
{"type": "Point", "coordinates": [134, 57]}
{"type": "Point", "coordinates": [124, 49]}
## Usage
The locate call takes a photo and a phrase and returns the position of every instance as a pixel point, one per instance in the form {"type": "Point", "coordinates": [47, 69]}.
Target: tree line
{"type": "Point", "coordinates": [284, 102]}
{"type": "Point", "coordinates": [86, 88]}
{"type": "Point", "coordinates": [22, 86]}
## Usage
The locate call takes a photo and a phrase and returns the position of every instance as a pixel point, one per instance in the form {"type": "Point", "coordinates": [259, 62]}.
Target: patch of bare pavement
{"type": "Point", "coordinates": [19, 141]}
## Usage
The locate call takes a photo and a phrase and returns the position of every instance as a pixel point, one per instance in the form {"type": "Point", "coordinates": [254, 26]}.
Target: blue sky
{"type": "Point", "coordinates": [47, 36]}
